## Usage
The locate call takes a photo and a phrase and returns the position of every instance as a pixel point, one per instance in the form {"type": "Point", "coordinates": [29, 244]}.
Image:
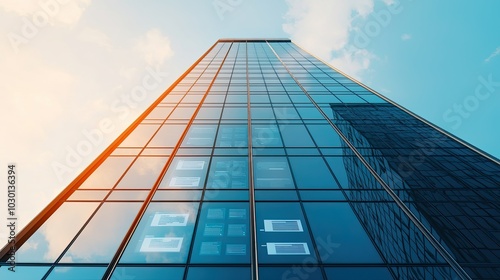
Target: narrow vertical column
{"type": "Point", "coordinates": [253, 224]}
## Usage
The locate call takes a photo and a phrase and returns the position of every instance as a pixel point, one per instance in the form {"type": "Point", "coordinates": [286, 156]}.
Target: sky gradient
{"type": "Point", "coordinates": [73, 72]}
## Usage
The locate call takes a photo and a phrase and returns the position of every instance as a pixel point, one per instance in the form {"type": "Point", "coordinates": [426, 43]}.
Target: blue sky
{"type": "Point", "coordinates": [69, 67]}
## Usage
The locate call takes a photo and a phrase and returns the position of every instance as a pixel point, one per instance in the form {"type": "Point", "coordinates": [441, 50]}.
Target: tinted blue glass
{"type": "Point", "coordinates": [339, 170]}
{"type": "Point", "coordinates": [272, 173]}
{"type": "Point", "coordinates": [217, 195]}
{"type": "Point", "coordinates": [228, 173]}
{"type": "Point", "coordinates": [321, 195]}
{"type": "Point", "coordinates": [282, 234]}
{"type": "Point", "coordinates": [163, 235]}
{"type": "Point", "coordinates": [232, 136]}
{"type": "Point", "coordinates": [186, 172]}
{"type": "Point", "coordinates": [23, 272]}
{"type": "Point", "coordinates": [305, 271]}
{"type": "Point", "coordinates": [266, 136]}
{"type": "Point", "coordinates": [77, 273]}
{"type": "Point", "coordinates": [324, 135]}
{"type": "Point", "coordinates": [200, 136]}
{"type": "Point", "coordinates": [291, 132]}
{"type": "Point", "coordinates": [264, 195]}
{"type": "Point", "coordinates": [222, 234]}
{"type": "Point", "coordinates": [262, 113]}
{"type": "Point", "coordinates": [339, 235]}
{"type": "Point", "coordinates": [148, 273]}
{"type": "Point", "coordinates": [239, 113]}
{"type": "Point", "coordinates": [218, 273]}
{"type": "Point", "coordinates": [309, 113]}
{"type": "Point", "coordinates": [312, 172]}
{"type": "Point", "coordinates": [286, 113]}
{"type": "Point", "coordinates": [358, 273]}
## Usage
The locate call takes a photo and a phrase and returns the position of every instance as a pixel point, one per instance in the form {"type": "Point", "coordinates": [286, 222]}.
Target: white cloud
{"type": "Point", "coordinates": [493, 54]}
{"type": "Point", "coordinates": [389, 2]}
{"type": "Point", "coordinates": [154, 47]}
{"type": "Point", "coordinates": [323, 27]}
{"type": "Point", "coordinates": [405, 37]}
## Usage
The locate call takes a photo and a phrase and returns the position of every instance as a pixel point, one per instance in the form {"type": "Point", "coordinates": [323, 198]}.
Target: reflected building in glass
{"type": "Point", "coordinates": [262, 162]}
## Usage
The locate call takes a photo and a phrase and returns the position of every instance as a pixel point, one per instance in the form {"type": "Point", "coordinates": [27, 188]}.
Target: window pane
{"type": "Point", "coordinates": [325, 136]}
{"type": "Point", "coordinates": [167, 136]}
{"type": "Point", "coordinates": [148, 273]}
{"type": "Point", "coordinates": [49, 241]}
{"type": "Point", "coordinates": [200, 136]}
{"type": "Point", "coordinates": [266, 136]}
{"type": "Point", "coordinates": [163, 235]}
{"type": "Point", "coordinates": [339, 235]}
{"type": "Point", "coordinates": [172, 195]}
{"type": "Point", "coordinates": [223, 234]}
{"type": "Point", "coordinates": [143, 173]}
{"type": "Point", "coordinates": [312, 173]}
{"type": "Point", "coordinates": [239, 113]}
{"type": "Point", "coordinates": [23, 272]}
{"type": "Point", "coordinates": [296, 136]}
{"type": "Point", "coordinates": [219, 273]}
{"type": "Point", "coordinates": [100, 238]}
{"type": "Point", "coordinates": [232, 136]}
{"type": "Point", "coordinates": [140, 135]}
{"type": "Point", "coordinates": [228, 173]}
{"type": "Point", "coordinates": [349, 273]}
{"type": "Point", "coordinates": [107, 174]}
{"type": "Point", "coordinates": [282, 234]}
{"type": "Point", "coordinates": [272, 172]}
{"type": "Point", "coordinates": [186, 172]}
{"type": "Point", "coordinates": [291, 273]}
{"type": "Point", "coordinates": [77, 273]}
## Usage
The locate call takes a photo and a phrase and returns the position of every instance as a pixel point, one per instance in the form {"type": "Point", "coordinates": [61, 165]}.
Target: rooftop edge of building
{"type": "Point", "coordinates": [285, 40]}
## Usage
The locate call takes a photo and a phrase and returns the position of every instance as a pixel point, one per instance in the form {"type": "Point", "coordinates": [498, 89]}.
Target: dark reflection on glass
{"type": "Point", "coordinates": [143, 173]}
{"type": "Point", "coordinates": [228, 173]}
{"type": "Point", "coordinates": [163, 235]}
{"type": "Point", "coordinates": [421, 164]}
{"type": "Point", "coordinates": [335, 224]}
{"type": "Point", "coordinates": [100, 238]}
{"type": "Point", "coordinates": [223, 234]}
{"type": "Point", "coordinates": [312, 172]}
{"type": "Point", "coordinates": [353, 273]}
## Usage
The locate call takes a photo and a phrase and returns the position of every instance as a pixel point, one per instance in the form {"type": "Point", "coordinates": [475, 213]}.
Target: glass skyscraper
{"type": "Point", "coordinates": [262, 162]}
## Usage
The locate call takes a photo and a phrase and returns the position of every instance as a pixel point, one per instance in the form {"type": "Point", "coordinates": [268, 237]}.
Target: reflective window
{"type": "Point", "coordinates": [167, 136]}
{"type": "Point", "coordinates": [291, 273]}
{"type": "Point", "coordinates": [160, 112]}
{"type": "Point", "coordinates": [209, 113]}
{"type": "Point", "coordinates": [262, 113]}
{"type": "Point", "coordinates": [312, 173]}
{"type": "Point", "coordinates": [339, 235]}
{"type": "Point", "coordinates": [232, 136]}
{"type": "Point", "coordinates": [140, 136]}
{"type": "Point", "coordinates": [286, 113]}
{"type": "Point", "coordinates": [173, 195]}
{"type": "Point", "coordinates": [88, 195]}
{"type": "Point", "coordinates": [107, 174]}
{"type": "Point", "coordinates": [186, 172]}
{"type": "Point", "coordinates": [324, 135]}
{"type": "Point", "coordinates": [77, 273]}
{"type": "Point", "coordinates": [349, 273]}
{"type": "Point", "coordinates": [143, 173]}
{"type": "Point", "coordinates": [49, 241]}
{"type": "Point", "coordinates": [266, 136]}
{"type": "Point", "coordinates": [23, 272]}
{"type": "Point", "coordinates": [228, 173]}
{"type": "Point", "coordinates": [272, 172]}
{"type": "Point", "coordinates": [182, 113]}
{"type": "Point", "coordinates": [239, 113]}
{"type": "Point", "coordinates": [223, 234]}
{"type": "Point", "coordinates": [282, 234]}
{"type": "Point", "coordinates": [219, 273]}
{"type": "Point", "coordinates": [218, 195]}
{"type": "Point", "coordinates": [100, 238]}
{"type": "Point", "coordinates": [128, 195]}
{"type": "Point", "coordinates": [309, 113]}
{"type": "Point", "coordinates": [290, 135]}
{"type": "Point", "coordinates": [200, 136]}
{"type": "Point", "coordinates": [148, 273]}
{"type": "Point", "coordinates": [163, 235]}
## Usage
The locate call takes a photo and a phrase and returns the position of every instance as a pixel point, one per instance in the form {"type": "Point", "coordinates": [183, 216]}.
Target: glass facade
{"type": "Point", "coordinates": [262, 162]}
